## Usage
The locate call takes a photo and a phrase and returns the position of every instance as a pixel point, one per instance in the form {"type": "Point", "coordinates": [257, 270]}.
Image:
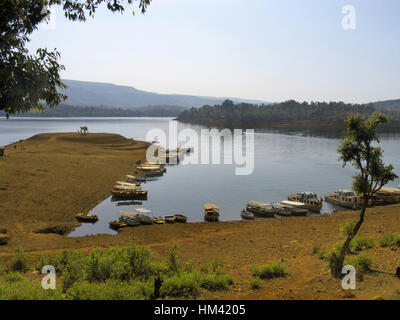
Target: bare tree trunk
{"type": "Point", "coordinates": [336, 262]}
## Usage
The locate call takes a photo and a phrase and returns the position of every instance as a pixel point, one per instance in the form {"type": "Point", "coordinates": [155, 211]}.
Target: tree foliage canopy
{"type": "Point", "coordinates": [26, 80]}
{"type": "Point", "coordinates": [357, 148]}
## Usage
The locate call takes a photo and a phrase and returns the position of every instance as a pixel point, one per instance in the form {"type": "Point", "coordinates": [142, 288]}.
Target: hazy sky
{"type": "Point", "coordinates": [271, 50]}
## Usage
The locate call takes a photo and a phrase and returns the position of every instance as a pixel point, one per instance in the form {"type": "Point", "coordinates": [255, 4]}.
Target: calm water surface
{"type": "Point", "coordinates": [285, 162]}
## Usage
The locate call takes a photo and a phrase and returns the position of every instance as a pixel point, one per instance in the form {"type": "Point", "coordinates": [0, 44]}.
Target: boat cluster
{"type": "Point", "coordinates": [142, 216]}
{"type": "Point", "coordinates": [131, 190]}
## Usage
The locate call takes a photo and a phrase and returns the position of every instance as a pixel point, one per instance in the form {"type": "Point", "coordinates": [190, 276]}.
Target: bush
{"type": "Point", "coordinates": [14, 286]}
{"type": "Point", "coordinates": [139, 258]}
{"type": "Point", "coordinates": [327, 253]}
{"type": "Point", "coordinates": [173, 261]}
{"type": "Point", "coordinates": [60, 260]}
{"type": "Point", "coordinates": [184, 284]}
{"type": "Point", "coordinates": [348, 227]}
{"type": "Point", "coordinates": [12, 277]}
{"type": "Point", "coordinates": [215, 266]}
{"type": "Point", "coordinates": [255, 284]}
{"type": "Point", "coordinates": [214, 281]}
{"type": "Point", "coordinates": [268, 271]}
{"type": "Point", "coordinates": [109, 290]}
{"type": "Point", "coordinates": [361, 262]}
{"type": "Point", "coordinates": [361, 243]}
{"type": "Point", "coordinates": [390, 240]}
{"type": "Point", "coordinates": [20, 262]}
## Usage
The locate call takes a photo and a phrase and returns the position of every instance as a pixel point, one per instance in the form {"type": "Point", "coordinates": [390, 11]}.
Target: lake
{"type": "Point", "coordinates": [284, 162]}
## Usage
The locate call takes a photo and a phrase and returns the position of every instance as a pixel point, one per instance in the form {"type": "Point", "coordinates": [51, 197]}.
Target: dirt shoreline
{"type": "Point", "coordinates": [46, 179]}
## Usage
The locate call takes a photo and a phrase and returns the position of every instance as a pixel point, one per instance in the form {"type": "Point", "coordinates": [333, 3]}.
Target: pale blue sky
{"type": "Point", "coordinates": [271, 50]}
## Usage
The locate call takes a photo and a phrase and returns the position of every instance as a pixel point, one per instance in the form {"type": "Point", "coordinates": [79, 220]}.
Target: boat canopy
{"type": "Point", "coordinates": [130, 213]}
{"type": "Point", "coordinates": [143, 210]}
{"type": "Point", "coordinates": [258, 204]}
{"type": "Point", "coordinates": [210, 206]}
{"type": "Point", "coordinates": [292, 203]}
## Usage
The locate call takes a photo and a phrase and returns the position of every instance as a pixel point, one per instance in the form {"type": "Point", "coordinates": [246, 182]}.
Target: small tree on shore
{"type": "Point", "coordinates": [357, 148]}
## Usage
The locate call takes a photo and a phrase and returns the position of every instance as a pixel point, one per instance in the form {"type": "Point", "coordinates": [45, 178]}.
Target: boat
{"type": "Point", "coordinates": [130, 221]}
{"type": "Point", "coordinates": [128, 184]}
{"type": "Point", "coordinates": [344, 198]}
{"type": "Point", "coordinates": [153, 173]}
{"type": "Point", "coordinates": [292, 208]}
{"type": "Point", "coordinates": [211, 212]}
{"type": "Point", "coordinates": [117, 224]}
{"type": "Point", "coordinates": [126, 187]}
{"type": "Point", "coordinates": [262, 209]}
{"type": "Point", "coordinates": [151, 168]}
{"type": "Point", "coordinates": [144, 219]}
{"type": "Point", "coordinates": [134, 178]}
{"type": "Point", "coordinates": [247, 215]}
{"type": "Point", "coordinates": [87, 217]}
{"type": "Point", "coordinates": [310, 200]}
{"type": "Point", "coordinates": [129, 194]}
{"type": "Point", "coordinates": [180, 218]}
{"type": "Point", "coordinates": [129, 213]}
{"type": "Point", "coordinates": [159, 220]}
{"type": "Point", "coordinates": [169, 219]}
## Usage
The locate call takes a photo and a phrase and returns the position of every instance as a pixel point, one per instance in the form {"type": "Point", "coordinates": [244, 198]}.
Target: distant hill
{"type": "Point", "coordinates": [84, 93]}
{"type": "Point", "coordinates": [387, 105]}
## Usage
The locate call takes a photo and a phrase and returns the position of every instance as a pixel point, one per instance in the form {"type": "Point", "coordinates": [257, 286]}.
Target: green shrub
{"type": "Point", "coordinates": [139, 258]}
{"type": "Point", "coordinates": [60, 259]}
{"type": "Point", "coordinates": [255, 284]}
{"type": "Point", "coordinates": [327, 253]}
{"type": "Point", "coordinates": [214, 281]}
{"type": "Point", "coordinates": [20, 262]}
{"type": "Point", "coordinates": [348, 227]}
{"type": "Point", "coordinates": [215, 266]}
{"type": "Point", "coordinates": [173, 260]}
{"type": "Point", "coordinates": [12, 277]}
{"type": "Point", "coordinates": [362, 243]}
{"type": "Point", "coordinates": [361, 262]}
{"type": "Point", "coordinates": [14, 286]}
{"type": "Point", "coordinates": [72, 272]}
{"type": "Point", "coordinates": [108, 290]}
{"type": "Point", "coordinates": [390, 240]}
{"type": "Point", "coordinates": [182, 285]}
{"type": "Point", "coordinates": [268, 271]}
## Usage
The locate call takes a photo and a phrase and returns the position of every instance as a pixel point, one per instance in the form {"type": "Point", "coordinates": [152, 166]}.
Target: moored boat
{"type": "Point", "coordinates": [144, 219]}
{"type": "Point", "coordinates": [247, 215]}
{"type": "Point", "coordinates": [211, 212]}
{"type": "Point", "coordinates": [129, 194]}
{"type": "Point", "coordinates": [169, 219]}
{"type": "Point", "coordinates": [159, 220]}
{"type": "Point", "coordinates": [180, 218]}
{"type": "Point", "coordinates": [117, 224]}
{"type": "Point", "coordinates": [292, 208]}
{"type": "Point", "coordinates": [309, 199]}
{"type": "Point", "coordinates": [130, 221]}
{"type": "Point", "coordinates": [344, 198]}
{"type": "Point", "coordinates": [87, 217]}
{"type": "Point", "coordinates": [261, 209]}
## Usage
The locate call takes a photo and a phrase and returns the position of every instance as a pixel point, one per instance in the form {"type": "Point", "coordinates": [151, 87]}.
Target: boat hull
{"type": "Point", "coordinates": [262, 213]}
{"type": "Point", "coordinates": [351, 206]}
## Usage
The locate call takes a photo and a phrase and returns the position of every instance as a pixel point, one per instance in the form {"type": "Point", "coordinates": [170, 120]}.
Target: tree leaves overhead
{"type": "Point", "coordinates": [27, 80]}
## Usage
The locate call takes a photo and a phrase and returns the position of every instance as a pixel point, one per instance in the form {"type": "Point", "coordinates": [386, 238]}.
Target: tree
{"type": "Point", "coordinates": [358, 148]}
{"type": "Point", "coordinates": [27, 80]}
